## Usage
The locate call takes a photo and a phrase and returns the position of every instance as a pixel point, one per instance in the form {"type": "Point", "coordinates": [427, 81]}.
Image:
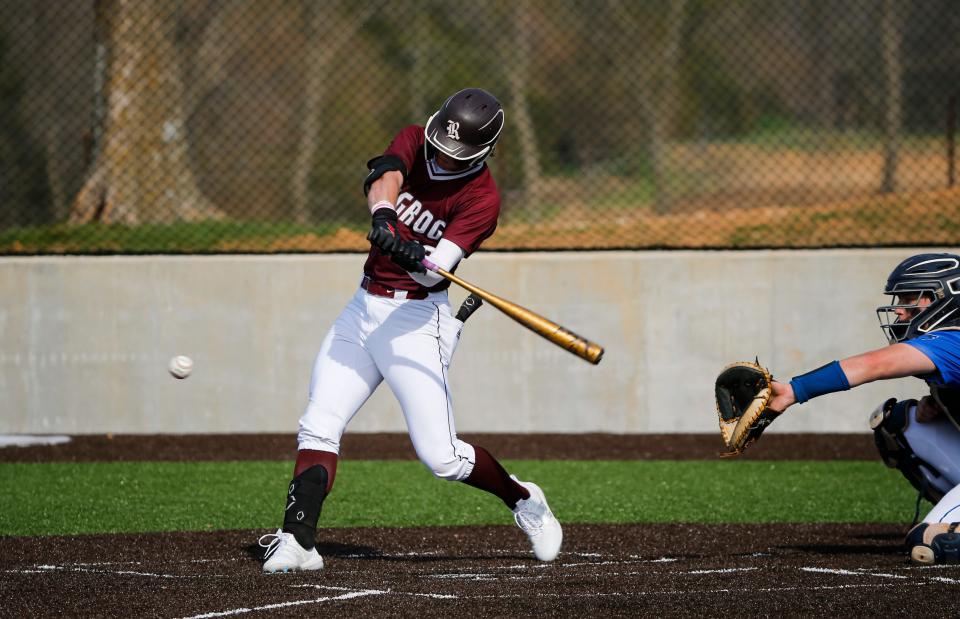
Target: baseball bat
{"type": "Point", "coordinates": [564, 338]}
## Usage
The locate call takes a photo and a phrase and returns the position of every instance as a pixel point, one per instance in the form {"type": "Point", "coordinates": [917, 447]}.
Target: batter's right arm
{"type": "Point", "coordinates": [384, 191]}
{"type": "Point", "coordinates": [382, 199]}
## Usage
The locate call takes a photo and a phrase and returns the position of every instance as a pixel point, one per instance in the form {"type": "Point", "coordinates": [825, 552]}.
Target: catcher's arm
{"type": "Point", "coordinates": [781, 396]}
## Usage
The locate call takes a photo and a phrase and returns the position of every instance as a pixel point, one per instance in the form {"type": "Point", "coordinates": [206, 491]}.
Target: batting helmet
{"type": "Point", "coordinates": [466, 127]}
{"type": "Point", "coordinates": [916, 280]}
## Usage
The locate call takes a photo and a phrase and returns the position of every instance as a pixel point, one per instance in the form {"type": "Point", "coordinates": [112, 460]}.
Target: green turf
{"type": "Point", "coordinates": [65, 498]}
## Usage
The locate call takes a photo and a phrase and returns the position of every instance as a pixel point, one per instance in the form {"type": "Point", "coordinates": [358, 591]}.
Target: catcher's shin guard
{"type": "Point", "coordinates": [934, 543]}
{"type": "Point", "coordinates": [304, 500]}
{"type": "Point", "coordinates": [888, 422]}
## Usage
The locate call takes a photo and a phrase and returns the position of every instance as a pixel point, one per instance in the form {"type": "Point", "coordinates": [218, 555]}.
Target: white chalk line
{"type": "Point", "coordinates": [349, 595]}
{"type": "Point", "coordinates": [441, 596]}
{"type": "Point", "coordinates": [49, 569]}
{"type": "Point", "coordinates": [827, 570]}
{"type": "Point", "coordinates": [158, 562]}
{"type": "Point", "coordinates": [487, 571]}
{"type": "Point", "coordinates": [726, 570]}
{"type": "Point", "coordinates": [463, 576]}
{"type": "Point", "coordinates": [952, 581]}
{"type": "Point", "coordinates": [497, 572]}
{"type": "Point", "coordinates": [942, 566]}
{"type": "Point", "coordinates": [671, 592]}
{"type": "Point", "coordinates": [556, 566]}
{"type": "Point", "coordinates": [867, 572]}
{"type": "Point", "coordinates": [435, 553]}
{"type": "Point", "coordinates": [688, 592]}
{"type": "Point", "coordinates": [241, 611]}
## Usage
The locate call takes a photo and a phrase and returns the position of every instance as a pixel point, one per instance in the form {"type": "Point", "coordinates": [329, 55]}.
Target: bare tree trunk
{"type": "Point", "coordinates": [667, 101]}
{"type": "Point", "coordinates": [418, 41]}
{"type": "Point", "coordinates": [329, 30]}
{"type": "Point", "coordinates": [518, 70]}
{"type": "Point", "coordinates": [142, 172]}
{"type": "Point", "coordinates": [45, 117]}
{"type": "Point", "coordinates": [819, 33]}
{"type": "Point", "coordinates": [891, 31]}
{"type": "Point", "coordinates": [653, 85]}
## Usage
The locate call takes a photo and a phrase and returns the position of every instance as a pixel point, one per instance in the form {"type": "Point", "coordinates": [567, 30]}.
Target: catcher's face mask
{"type": "Point", "coordinates": [907, 314]}
{"type": "Point", "coordinates": [925, 291]}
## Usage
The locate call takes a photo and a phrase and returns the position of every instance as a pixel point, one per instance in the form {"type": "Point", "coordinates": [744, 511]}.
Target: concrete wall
{"type": "Point", "coordinates": [84, 342]}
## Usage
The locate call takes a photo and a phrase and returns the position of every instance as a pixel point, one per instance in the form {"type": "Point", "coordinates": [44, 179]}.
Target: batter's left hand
{"type": "Point", "coordinates": [409, 255]}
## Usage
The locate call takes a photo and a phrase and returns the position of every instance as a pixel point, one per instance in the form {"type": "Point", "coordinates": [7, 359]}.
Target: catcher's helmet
{"type": "Point", "coordinates": [466, 127]}
{"type": "Point", "coordinates": [933, 277]}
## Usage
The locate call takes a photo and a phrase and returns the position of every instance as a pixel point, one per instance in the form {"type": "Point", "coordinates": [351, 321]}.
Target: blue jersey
{"type": "Point", "coordinates": [943, 348]}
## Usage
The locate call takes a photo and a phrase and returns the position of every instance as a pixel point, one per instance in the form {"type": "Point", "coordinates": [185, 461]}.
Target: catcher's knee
{"type": "Point", "coordinates": [889, 422]}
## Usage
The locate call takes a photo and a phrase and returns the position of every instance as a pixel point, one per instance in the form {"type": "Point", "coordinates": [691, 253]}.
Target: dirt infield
{"type": "Point", "coordinates": [678, 570]}
{"type": "Point", "coordinates": [93, 447]}
{"type": "Point", "coordinates": [627, 571]}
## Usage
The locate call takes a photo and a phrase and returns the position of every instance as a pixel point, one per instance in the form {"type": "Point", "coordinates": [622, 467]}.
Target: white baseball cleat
{"type": "Point", "coordinates": [533, 515]}
{"type": "Point", "coordinates": [285, 554]}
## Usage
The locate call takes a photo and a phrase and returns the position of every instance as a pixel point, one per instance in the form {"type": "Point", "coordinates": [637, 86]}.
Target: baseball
{"type": "Point", "coordinates": [181, 366]}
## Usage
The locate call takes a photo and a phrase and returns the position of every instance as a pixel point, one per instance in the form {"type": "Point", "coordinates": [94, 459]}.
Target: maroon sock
{"type": "Point", "coordinates": [309, 457]}
{"type": "Point", "coordinates": [487, 474]}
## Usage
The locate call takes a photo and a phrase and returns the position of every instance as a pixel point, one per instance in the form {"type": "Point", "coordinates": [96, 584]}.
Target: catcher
{"type": "Point", "coordinates": [921, 437]}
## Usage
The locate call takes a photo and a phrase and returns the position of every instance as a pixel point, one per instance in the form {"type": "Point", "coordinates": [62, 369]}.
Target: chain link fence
{"type": "Point", "coordinates": [205, 126]}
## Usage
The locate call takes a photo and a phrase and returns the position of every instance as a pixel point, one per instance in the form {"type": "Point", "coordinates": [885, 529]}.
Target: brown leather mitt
{"type": "Point", "coordinates": [742, 393]}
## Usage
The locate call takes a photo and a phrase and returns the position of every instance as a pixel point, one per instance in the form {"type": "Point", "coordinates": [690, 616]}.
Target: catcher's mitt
{"type": "Point", "coordinates": [742, 393]}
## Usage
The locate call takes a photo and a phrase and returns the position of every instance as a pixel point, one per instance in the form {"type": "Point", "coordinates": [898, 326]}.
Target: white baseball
{"type": "Point", "coordinates": [181, 366]}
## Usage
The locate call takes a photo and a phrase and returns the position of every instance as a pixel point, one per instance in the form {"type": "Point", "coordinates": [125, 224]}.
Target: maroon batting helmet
{"type": "Point", "coordinates": [467, 126]}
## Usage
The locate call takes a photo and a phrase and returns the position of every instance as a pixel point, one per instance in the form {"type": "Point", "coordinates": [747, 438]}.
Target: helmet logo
{"type": "Point", "coordinates": [453, 130]}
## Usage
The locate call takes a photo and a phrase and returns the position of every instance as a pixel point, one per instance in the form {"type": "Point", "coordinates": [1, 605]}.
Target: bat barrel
{"type": "Point", "coordinates": [578, 345]}
{"type": "Point", "coordinates": [564, 338]}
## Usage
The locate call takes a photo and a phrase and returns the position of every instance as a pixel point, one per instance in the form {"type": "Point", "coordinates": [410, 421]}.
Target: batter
{"type": "Point", "coordinates": [430, 193]}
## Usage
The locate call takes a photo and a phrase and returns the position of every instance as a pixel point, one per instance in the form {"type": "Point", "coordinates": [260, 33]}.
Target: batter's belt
{"type": "Point", "coordinates": [382, 290]}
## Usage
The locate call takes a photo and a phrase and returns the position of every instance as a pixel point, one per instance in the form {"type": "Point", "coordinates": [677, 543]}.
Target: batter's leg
{"type": "Point", "coordinates": [489, 475]}
{"type": "Point", "coordinates": [414, 358]}
{"type": "Point", "coordinates": [412, 348]}
{"type": "Point", "coordinates": [344, 376]}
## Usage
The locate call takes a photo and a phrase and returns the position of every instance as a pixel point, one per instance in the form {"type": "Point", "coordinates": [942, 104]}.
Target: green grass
{"type": "Point", "coordinates": [205, 236]}
{"type": "Point", "coordinates": [67, 498]}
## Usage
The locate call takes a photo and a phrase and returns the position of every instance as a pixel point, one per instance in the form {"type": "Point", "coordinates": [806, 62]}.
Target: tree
{"type": "Point", "coordinates": [653, 83]}
{"type": "Point", "coordinates": [141, 172]}
{"type": "Point", "coordinates": [891, 33]}
{"type": "Point", "coordinates": [518, 73]}
{"type": "Point", "coordinates": [24, 192]}
{"type": "Point", "coordinates": [329, 30]}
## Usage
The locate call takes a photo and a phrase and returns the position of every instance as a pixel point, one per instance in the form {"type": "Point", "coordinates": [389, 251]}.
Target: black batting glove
{"type": "Point", "coordinates": [409, 255]}
{"type": "Point", "coordinates": [383, 232]}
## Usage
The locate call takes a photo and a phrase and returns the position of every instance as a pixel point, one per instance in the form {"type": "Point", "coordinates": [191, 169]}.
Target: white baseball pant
{"type": "Point", "coordinates": [938, 443]}
{"type": "Point", "coordinates": [408, 343]}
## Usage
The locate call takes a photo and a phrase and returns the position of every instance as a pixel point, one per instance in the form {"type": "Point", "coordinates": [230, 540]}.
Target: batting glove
{"type": "Point", "coordinates": [409, 255]}
{"type": "Point", "coordinates": [383, 233]}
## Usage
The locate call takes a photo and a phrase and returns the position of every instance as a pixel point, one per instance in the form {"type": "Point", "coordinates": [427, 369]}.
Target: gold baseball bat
{"type": "Point", "coordinates": [564, 338]}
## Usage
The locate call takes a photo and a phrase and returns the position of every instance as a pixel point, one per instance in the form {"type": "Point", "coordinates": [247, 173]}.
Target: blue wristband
{"type": "Point", "coordinates": [827, 379]}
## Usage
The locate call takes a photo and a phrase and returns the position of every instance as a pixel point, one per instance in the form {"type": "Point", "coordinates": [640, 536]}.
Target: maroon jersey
{"type": "Point", "coordinates": [434, 203]}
